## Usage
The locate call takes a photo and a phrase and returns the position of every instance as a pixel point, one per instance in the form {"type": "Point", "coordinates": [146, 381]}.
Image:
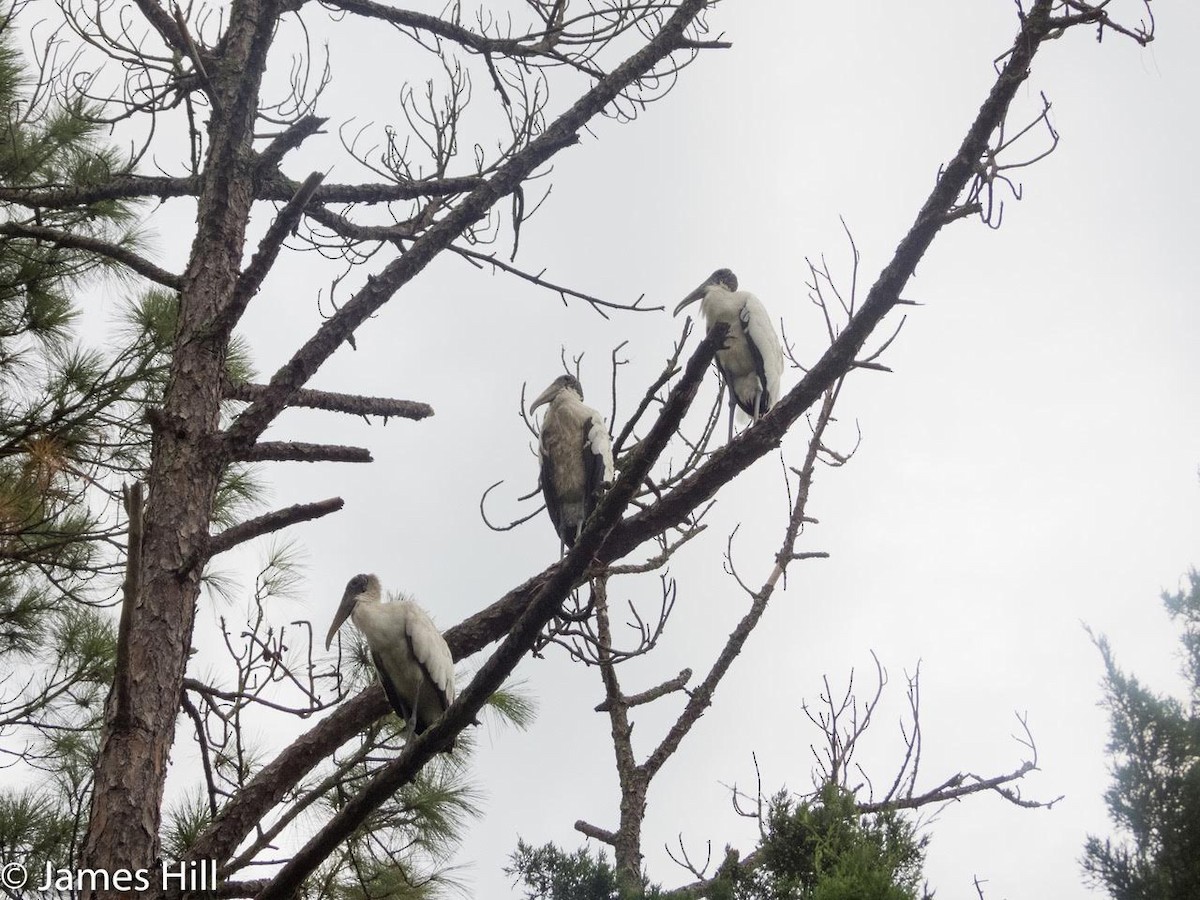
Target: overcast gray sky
{"type": "Point", "coordinates": [1030, 467]}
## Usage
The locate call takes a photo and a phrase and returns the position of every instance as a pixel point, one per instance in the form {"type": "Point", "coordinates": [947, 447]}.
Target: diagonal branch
{"type": "Point", "coordinates": [678, 683]}
{"type": "Point", "coordinates": [595, 832]}
{"type": "Point", "coordinates": [700, 697]}
{"type": "Point", "coordinates": [264, 258]}
{"type": "Point", "coordinates": [100, 247]}
{"type": "Point", "coordinates": [963, 785]}
{"type": "Point", "coordinates": [288, 139]}
{"type": "Point", "coordinates": [166, 26]}
{"type": "Point", "coordinates": [272, 521]}
{"type": "Point", "coordinates": [490, 259]}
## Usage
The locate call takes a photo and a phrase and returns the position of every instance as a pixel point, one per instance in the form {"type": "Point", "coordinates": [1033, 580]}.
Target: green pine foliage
{"type": "Point", "coordinates": [821, 848]}
{"type": "Point", "coordinates": [824, 849]}
{"type": "Point", "coordinates": [1154, 800]}
{"type": "Point", "coordinates": [549, 873]}
{"type": "Point", "coordinates": [65, 415]}
{"type": "Point", "coordinates": [402, 851]}
{"type": "Point", "coordinates": [67, 438]}
{"type": "Point", "coordinates": [72, 431]}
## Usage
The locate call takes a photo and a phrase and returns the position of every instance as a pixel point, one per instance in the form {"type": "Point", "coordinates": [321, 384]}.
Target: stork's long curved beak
{"type": "Point", "coordinates": [344, 609]}
{"type": "Point", "coordinates": [691, 298]}
{"type": "Point", "coordinates": [543, 398]}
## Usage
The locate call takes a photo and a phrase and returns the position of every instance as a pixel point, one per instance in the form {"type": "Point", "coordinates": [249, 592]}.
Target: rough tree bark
{"type": "Point", "coordinates": [186, 462]}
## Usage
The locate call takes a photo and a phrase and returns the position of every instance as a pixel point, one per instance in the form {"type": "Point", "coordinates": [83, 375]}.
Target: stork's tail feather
{"type": "Point", "coordinates": [570, 534]}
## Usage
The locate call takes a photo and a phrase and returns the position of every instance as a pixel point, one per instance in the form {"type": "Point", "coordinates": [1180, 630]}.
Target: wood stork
{"type": "Point", "coordinates": [752, 360]}
{"type": "Point", "coordinates": [575, 452]}
{"type": "Point", "coordinates": [414, 664]}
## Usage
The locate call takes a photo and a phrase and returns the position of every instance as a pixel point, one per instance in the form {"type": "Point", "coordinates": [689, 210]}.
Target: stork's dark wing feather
{"type": "Point", "coordinates": [765, 400]}
{"type": "Point", "coordinates": [403, 710]}
{"type": "Point", "coordinates": [553, 501]}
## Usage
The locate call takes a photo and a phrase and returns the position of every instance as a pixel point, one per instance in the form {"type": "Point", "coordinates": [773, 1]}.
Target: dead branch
{"type": "Point", "coordinates": [352, 404]}
{"type": "Point", "coordinates": [264, 257]}
{"type": "Point", "coordinates": [271, 522]}
{"type": "Point", "coordinates": [134, 502]}
{"type": "Point", "coordinates": [298, 451]}
{"type": "Point", "coordinates": [564, 293]}
{"type": "Point", "coordinates": [678, 683]}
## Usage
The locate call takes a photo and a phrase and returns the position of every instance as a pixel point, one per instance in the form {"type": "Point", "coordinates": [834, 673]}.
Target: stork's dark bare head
{"type": "Point", "coordinates": [561, 383]}
{"type": "Point", "coordinates": [723, 278]}
{"type": "Point", "coordinates": [356, 587]}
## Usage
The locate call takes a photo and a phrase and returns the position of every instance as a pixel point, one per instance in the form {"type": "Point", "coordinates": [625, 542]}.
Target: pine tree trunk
{"type": "Point", "coordinates": [186, 463]}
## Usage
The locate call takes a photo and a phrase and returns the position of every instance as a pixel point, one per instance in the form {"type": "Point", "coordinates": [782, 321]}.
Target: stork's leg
{"type": "Point", "coordinates": [732, 407]}
{"type": "Point", "coordinates": [410, 727]}
{"type": "Point", "coordinates": [410, 724]}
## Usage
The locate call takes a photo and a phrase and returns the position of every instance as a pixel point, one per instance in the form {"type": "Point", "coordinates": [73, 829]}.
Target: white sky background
{"type": "Point", "coordinates": [1030, 466]}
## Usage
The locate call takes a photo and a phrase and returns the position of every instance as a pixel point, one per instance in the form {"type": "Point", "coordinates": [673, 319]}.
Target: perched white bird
{"type": "Point", "coordinates": [414, 664]}
{"type": "Point", "coordinates": [575, 452]}
{"type": "Point", "coordinates": [751, 361]}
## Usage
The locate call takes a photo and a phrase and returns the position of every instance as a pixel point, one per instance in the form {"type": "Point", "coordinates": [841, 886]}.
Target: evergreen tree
{"type": "Point", "coordinates": [68, 433]}
{"type": "Point", "coordinates": [816, 848]}
{"type": "Point", "coordinates": [72, 432]}
{"type": "Point", "coordinates": [63, 422]}
{"type": "Point", "coordinates": [550, 873]}
{"type": "Point", "coordinates": [823, 848]}
{"type": "Point", "coordinates": [63, 429]}
{"type": "Point", "coordinates": [1155, 794]}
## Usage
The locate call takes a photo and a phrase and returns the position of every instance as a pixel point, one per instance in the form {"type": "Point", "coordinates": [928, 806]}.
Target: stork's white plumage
{"type": "Point", "coordinates": [751, 361]}
{"type": "Point", "coordinates": [575, 452]}
{"type": "Point", "coordinates": [414, 664]}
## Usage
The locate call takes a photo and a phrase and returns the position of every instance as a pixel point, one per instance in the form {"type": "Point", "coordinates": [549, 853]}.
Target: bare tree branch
{"type": "Point", "coordinates": [670, 686]}
{"type": "Point", "coordinates": [134, 500]}
{"type": "Point", "coordinates": [598, 834]}
{"type": "Point", "coordinates": [268, 251]}
{"type": "Point", "coordinates": [100, 247]}
{"type": "Point", "coordinates": [352, 404]}
{"type": "Point", "coordinates": [297, 451]}
{"type": "Point", "coordinates": [291, 138]}
{"type": "Point", "coordinates": [273, 521]}
{"type": "Point", "coordinates": [275, 188]}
